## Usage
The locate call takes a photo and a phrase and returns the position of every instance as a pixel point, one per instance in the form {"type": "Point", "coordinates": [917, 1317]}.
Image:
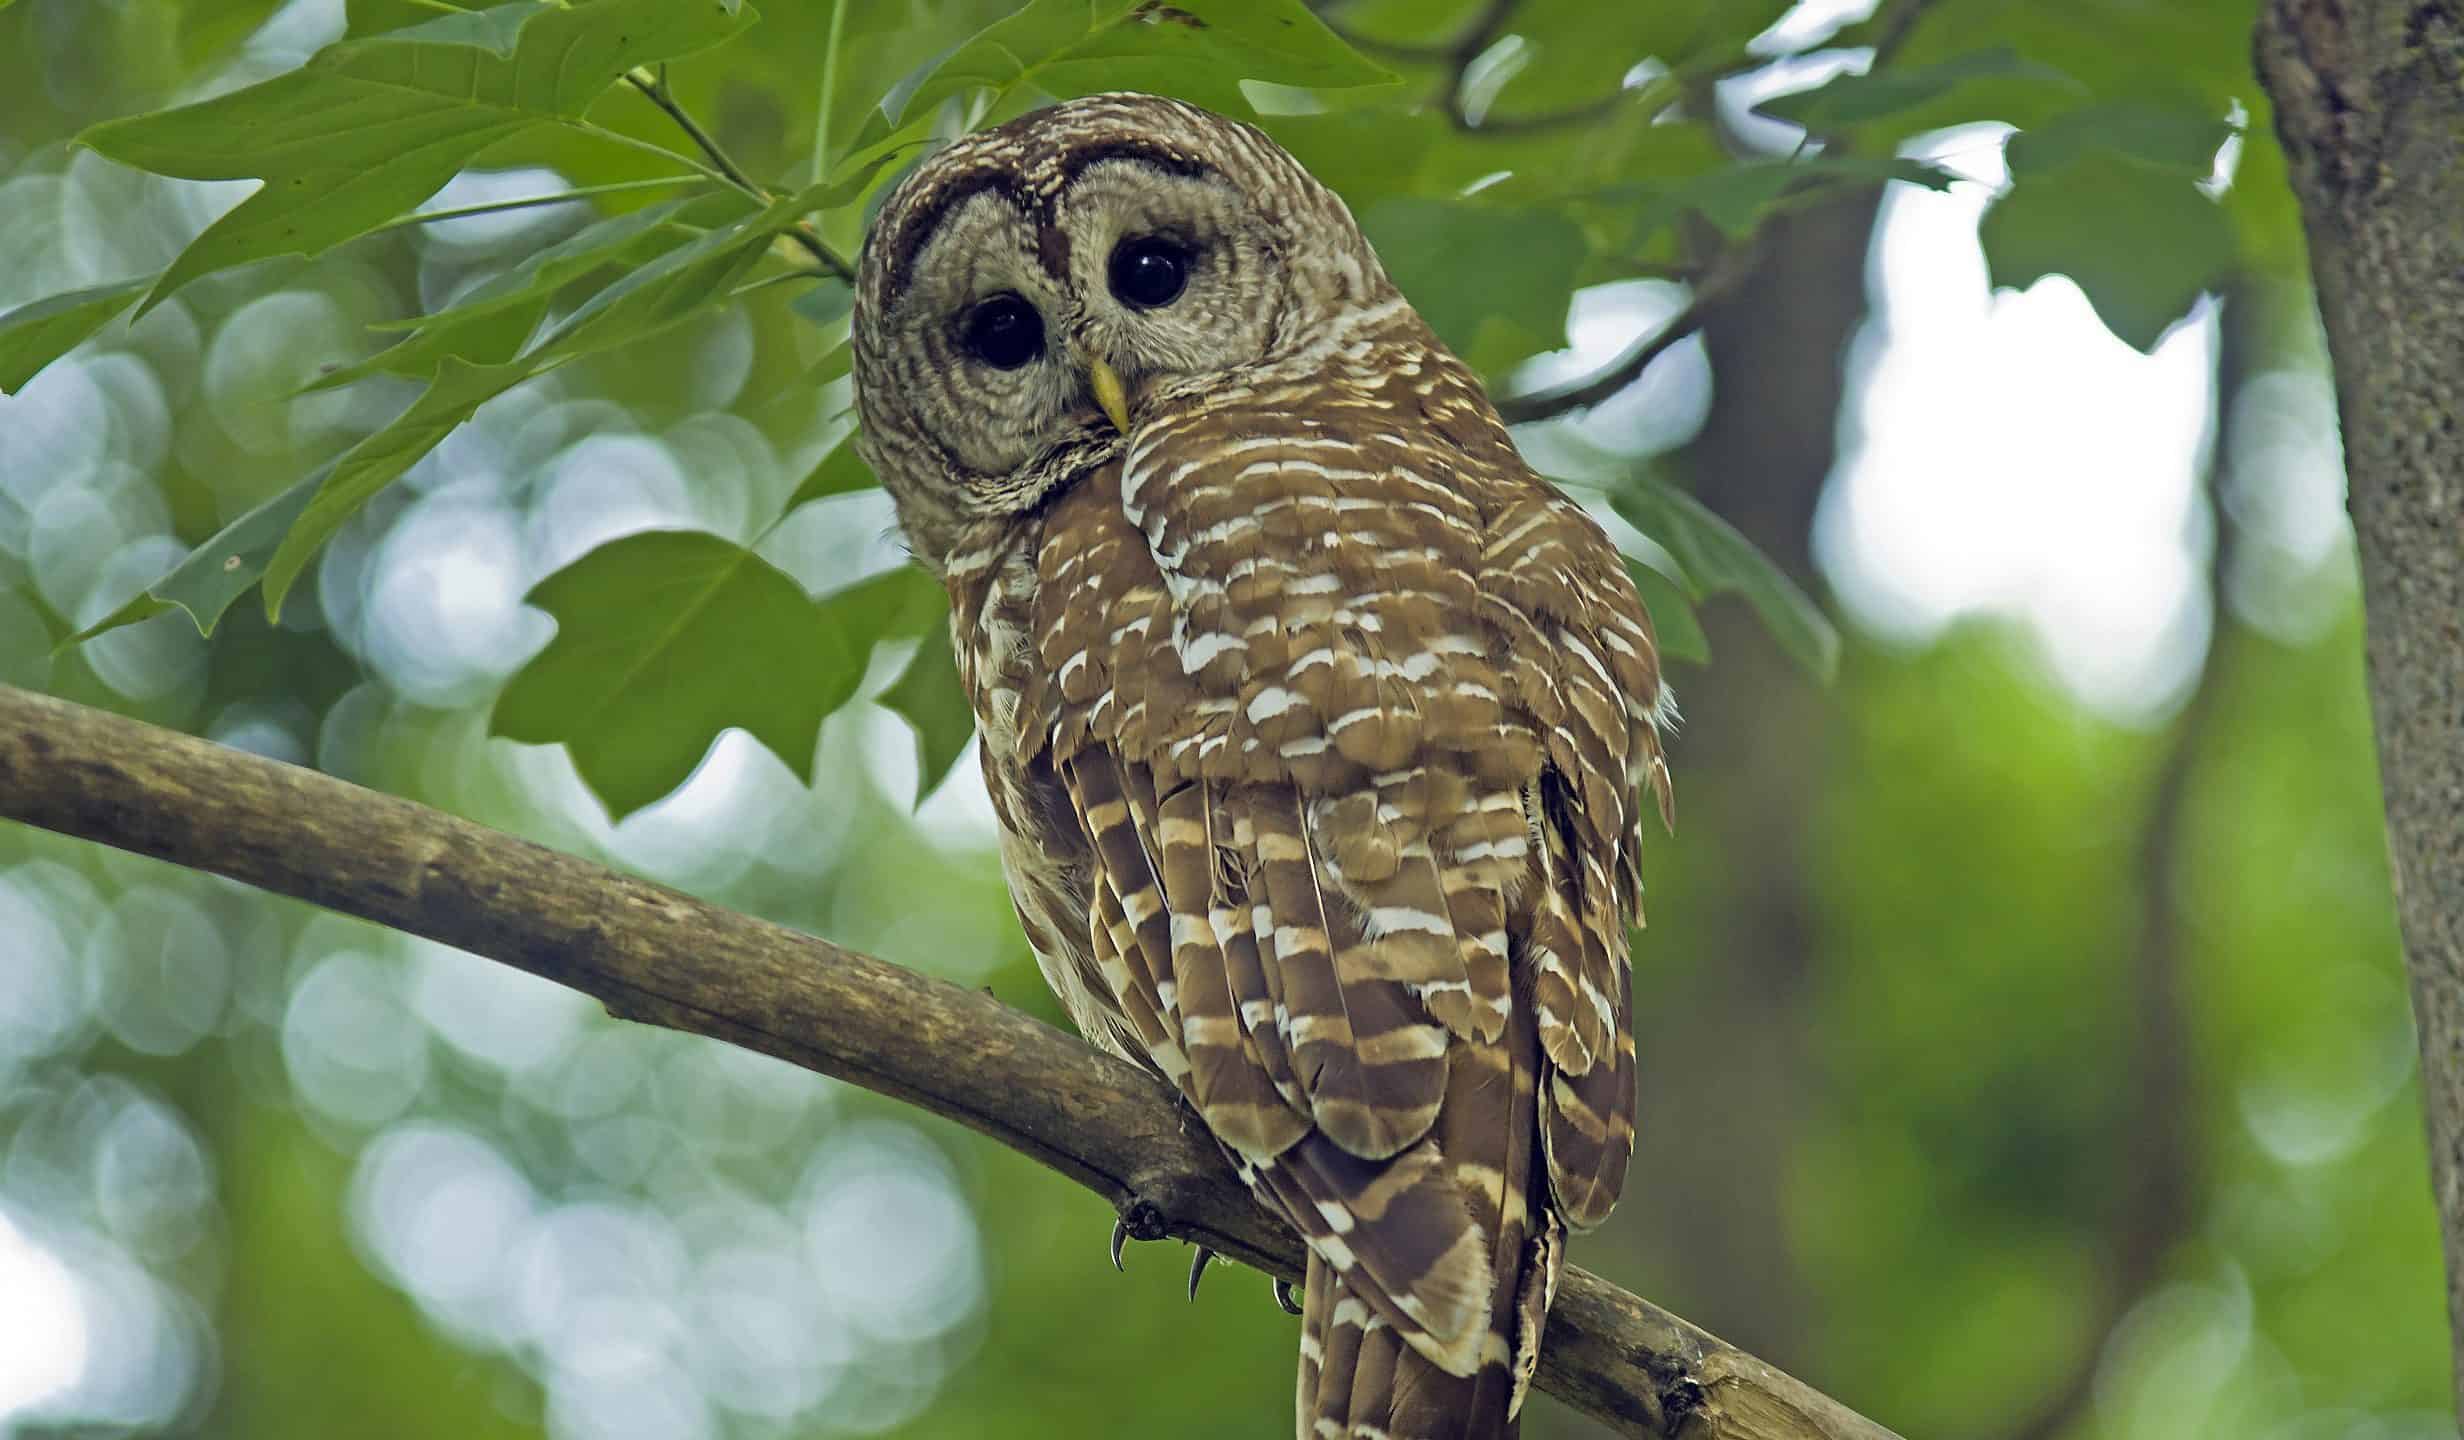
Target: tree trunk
{"type": "Point", "coordinates": [1756, 753]}
{"type": "Point", "coordinates": [2370, 104]}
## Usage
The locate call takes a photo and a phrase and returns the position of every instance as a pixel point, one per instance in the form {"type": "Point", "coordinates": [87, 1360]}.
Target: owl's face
{"type": "Point", "coordinates": [1028, 292]}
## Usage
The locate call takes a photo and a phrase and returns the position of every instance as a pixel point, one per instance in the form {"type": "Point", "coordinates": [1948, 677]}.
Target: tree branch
{"type": "Point", "coordinates": [654, 88]}
{"type": "Point", "coordinates": [1604, 383]}
{"type": "Point", "coordinates": [1713, 283]}
{"type": "Point", "coordinates": [2369, 107]}
{"type": "Point", "coordinates": [663, 958]}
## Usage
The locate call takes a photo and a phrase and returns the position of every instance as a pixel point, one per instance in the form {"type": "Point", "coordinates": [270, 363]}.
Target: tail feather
{"type": "Point", "coordinates": [1360, 1380]}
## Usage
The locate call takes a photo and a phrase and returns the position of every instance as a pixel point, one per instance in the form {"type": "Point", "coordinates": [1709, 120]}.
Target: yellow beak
{"type": "Point", "coordinates": [1109, 393]}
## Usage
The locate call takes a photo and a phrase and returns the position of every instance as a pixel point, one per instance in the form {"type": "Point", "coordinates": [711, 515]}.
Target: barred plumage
{"type": "Point", "coordinates": [1314, 719]}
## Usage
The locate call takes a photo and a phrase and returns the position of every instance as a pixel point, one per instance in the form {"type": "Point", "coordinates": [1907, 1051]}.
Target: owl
{"type": "Point", "coordinates": [1315, 721]}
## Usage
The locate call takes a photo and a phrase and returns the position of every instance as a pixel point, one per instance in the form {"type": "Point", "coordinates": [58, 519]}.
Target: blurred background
{"type": "Point", "coordinates": [2025, 1048]}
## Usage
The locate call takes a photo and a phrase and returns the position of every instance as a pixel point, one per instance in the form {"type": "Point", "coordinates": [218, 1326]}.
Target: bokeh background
{"type": "Point", "coordinates": [2025, 1049]}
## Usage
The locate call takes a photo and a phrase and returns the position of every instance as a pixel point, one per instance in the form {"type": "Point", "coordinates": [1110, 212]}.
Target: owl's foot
{"type": "Point", "coordinates": [1141, 1221]}
{"type": "Point", "coordinates": [1286, 1294]}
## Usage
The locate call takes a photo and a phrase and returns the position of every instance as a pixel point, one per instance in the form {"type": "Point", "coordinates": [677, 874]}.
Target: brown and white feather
{"type": "Point", "coordinates": [1314, 720]}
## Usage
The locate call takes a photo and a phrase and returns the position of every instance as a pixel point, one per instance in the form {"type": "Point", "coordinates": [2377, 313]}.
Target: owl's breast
{"type": "Point", "coordinates": [1256, 593]}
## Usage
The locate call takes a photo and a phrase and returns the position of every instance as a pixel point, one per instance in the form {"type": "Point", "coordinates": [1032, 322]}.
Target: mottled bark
{"type": "Point", "coordinates": [2370, 105]}
{"type": "Point", "coordinates": [653, 955]}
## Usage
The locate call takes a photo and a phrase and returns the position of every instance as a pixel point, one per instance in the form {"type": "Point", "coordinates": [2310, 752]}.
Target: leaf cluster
{"type": "Point", "coordinates": [1497, 172]}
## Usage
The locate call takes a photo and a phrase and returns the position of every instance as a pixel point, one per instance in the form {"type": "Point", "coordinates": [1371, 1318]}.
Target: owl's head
{"type": "Point", "coordinates": [1029, 291]}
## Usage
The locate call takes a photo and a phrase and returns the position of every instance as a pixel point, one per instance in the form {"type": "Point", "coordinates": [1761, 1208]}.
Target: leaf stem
{"type": "Point", "coordinates": [1716, 283]}
{"type": "Point", "coordinates": [829, 91]}
{"type": "Point", "coordinates": [723, 167]}
{"type": "Point", "coordinates": [783, 277]}
{"type": "Point", "coordinates": [655, 88]}
{"type": "Point", "coordinates": [530, 202]}
{"type": "Point", "coordinates": [652, 147]}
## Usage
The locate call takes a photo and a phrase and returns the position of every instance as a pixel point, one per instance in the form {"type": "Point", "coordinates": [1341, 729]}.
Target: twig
{"type": "Point", "coordinates": [829, 90]}
{"type": "Point", "coordinates": [655, 88]}
{"type": "Point", "coordinates": [664, 958]}
{"type": "Point", "coordinates": [1606, 381]}
{"type": "Point", "coordinates": [724, 166]}
{"type": "Point", "coordinates": [1713, 280]}
{"type": "Point", "coordinates": [1715, 284]}
{"type": "Point", "coordinates": [1897, 22]}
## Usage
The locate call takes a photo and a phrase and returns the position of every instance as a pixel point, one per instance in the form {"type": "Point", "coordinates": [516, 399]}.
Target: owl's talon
{"type": "Point", "coordinates": [1285, 1298]}
{"type": "Point", "coordinates": [1120, 1238]}
{"type": "Point", "coordinates": [1197, 1269]}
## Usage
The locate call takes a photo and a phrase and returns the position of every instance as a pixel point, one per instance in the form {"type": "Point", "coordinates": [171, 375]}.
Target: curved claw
{"type": "Point", "coordinates": [1120, 1237]}
{"type": "Point", "coordinates": [1285, 1296]}
{"type": "Point", "coordinates": [1197, 1269]}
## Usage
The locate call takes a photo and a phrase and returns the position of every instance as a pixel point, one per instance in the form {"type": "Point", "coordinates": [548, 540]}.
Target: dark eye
{"type": "Point", "coordinates": [1005, 332]}
{"type": "Point", "coordinates": [1149, 271]}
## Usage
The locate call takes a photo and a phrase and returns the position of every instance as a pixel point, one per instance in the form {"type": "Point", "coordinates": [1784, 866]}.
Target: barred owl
{"type": "Point", "coordinates": [1313, 718]}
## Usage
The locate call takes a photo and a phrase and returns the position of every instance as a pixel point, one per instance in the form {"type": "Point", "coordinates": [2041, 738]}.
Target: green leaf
{"type": "Point", "coordinates": [824, 303]}
{"type": "Point", "coordinates": [663, 640]}
{"type": "Point", "coordinates": [1007, 52]}
{"type": "Point", "coordinates": [1856, 99]}
{"type": "Point", "coordinates": [896, 604]}
{"type": "Point", "coordinates": [674, 286]}
{"type": "Point", "coordinates": [207, 28]}
{"type": "Point", "coordinates": [834, 363]}
{"type": "Point", "coordinates": [1364, 155]}
{"type": "Point", "coordinates": [1492, 282]}
{"type": "Point", "coordinates": [1200, 49]}
{"type": "Point", "coordinates": [1721, 561]}
{"type": "Point", "coordinates": [371, 127]}
{"type": "Point", "coordinates": [216, 572]}
{"type": "Point", "coordinates": [489, 338]}
{"type": "Point", "coordinates": [844, 185]}
{"type": "Point", "coordinates": [459, 389]}
{"type": "Point", "coordinates": [671, 288]}
{"type": "Point", "coordinates": [1673, 621]}
{"type": "Point", "coordinates": [35, 334]}
{"type": "Point", "coordinates": [1737, 199]}
{"type": "Point", "coordinates": [841, 472]}
{"type": "Point", "coordinates": [2178, 138]}
{"type": "Point", "coordinates": [489, 325]}
{"type": "Point", "coordinates": [364, 18]}
{"type": "Point", "coordinates": [927, 694]}
{"type": "Point", "coordinates": [602, 242]}
{"type": "Point", "coordinates": [2142, 243]}
{"type": "Point", "coordinates": [1581, 50]}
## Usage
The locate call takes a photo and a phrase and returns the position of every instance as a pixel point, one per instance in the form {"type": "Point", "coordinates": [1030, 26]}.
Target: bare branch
{"type": "Point", "coordinates": [663, 958]}
{"type": "Point", "coordinates": [1717, 281]}
{"type": "Point", "coordinates": [1603, 384]}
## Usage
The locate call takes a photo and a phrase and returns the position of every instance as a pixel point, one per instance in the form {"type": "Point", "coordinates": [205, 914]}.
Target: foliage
{"type": "Point", "coordinates": [355, 141]}
{"type": "Point", "coordinates": [339, 390]}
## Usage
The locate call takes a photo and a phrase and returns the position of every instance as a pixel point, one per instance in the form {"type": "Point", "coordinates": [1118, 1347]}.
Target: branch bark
{"type": "Point", "coordinates": [2369, 99]}
{"type": "Point", "coordinates": [663, 958]}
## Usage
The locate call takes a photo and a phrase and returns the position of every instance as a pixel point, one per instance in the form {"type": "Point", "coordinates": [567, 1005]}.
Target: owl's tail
{"type": "Point", "coordinates": [1359, 1380]}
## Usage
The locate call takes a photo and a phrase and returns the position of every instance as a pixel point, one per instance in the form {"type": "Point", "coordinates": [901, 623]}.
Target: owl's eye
{"type": "Point", "coordinates": [1149, 271]}
{"type": "Point", "coordinates": [1004, 332]}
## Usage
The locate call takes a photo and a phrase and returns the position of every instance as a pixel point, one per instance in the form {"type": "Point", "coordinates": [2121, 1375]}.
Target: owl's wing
{"type": "Point", "coordinates": [1355, 750]}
